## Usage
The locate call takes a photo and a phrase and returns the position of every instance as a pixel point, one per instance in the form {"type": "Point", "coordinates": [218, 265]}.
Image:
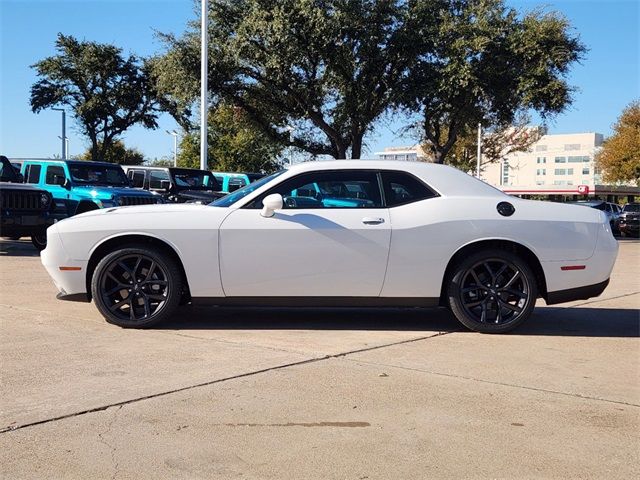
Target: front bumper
{"type": "Point", "coordinates": [22, 224]}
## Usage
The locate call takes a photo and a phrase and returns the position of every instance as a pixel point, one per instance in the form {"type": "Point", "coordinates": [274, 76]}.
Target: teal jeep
{"type": "Point", "coordinates": [80, 186]}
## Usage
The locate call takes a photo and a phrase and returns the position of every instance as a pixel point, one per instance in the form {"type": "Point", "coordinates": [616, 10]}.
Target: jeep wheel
{"type": "Point", "coordinates": [39, 240]}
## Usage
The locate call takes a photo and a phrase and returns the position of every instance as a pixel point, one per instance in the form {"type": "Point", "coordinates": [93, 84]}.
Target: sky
{"type": "Point", "coordinates": [607, 80]}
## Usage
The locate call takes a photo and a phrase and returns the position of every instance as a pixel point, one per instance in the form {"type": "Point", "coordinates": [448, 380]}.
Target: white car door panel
{"type": "Point", "coordinates": [305, 252]}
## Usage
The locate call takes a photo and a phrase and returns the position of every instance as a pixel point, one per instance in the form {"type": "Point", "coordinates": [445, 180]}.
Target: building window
{"type": "Point", "coordinates": [570, 171]}
{"type": "Point", "coordinates": [541, 148]}
{"type": "Point", "coordinates": [561, 159]}
{"type": "Point", "coordinates": [541, 160]}
{"type": "Point", "coordinates": [505, 173]}
{"type": "Point", "coordinates": [578, 159]}
{"type": "Point", "coordinates": [572, 146]}
{"type": "Point", "coordinates": [539, 182]}
{"type": "Point", "coordinates": [541, 171]}
{"type": "Point", "coordinates": [559, 182]}
{"type": "Point", "coordinates": [569, 182]}
{"type": "Point", "coordinates": [560, 171]}
{"type": "Point", "coordinates": [585, 171]}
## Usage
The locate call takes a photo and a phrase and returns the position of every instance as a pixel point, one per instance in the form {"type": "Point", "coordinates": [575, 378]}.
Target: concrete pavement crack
{"type": "Point", "coordinates": [112, 449]}
{"type": "Point", "coordinates": [491, 382]}
{"type": "Point", "coordinates": [213, 382]}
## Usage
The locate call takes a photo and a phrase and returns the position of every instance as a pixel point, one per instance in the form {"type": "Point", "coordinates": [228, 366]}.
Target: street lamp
{"type": "Point", "coordinates": [290, 129]}
{"type": "Point", "coordinates": [174, 134]}
{"type": "Point", "coordinates": [66, 141]}
{"type": "Point", "coordinates": [204, 62]}
{"type": "Point", "coordinates": [64, 132]}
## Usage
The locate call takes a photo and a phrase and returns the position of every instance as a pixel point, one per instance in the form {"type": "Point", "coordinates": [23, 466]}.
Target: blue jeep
{"type": "Point", "coordinates": [81, 186]}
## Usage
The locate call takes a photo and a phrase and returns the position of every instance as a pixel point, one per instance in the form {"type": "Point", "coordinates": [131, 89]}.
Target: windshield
{"type": "Point", "coordinates": [194, 179]}
{"type": "Point", "coordinates": [7, 172]}
{"type": "Point", "coordinates": [244, 191]}
{"type": "Point", "coordinates": [91, 174]}
{"type": "Point", "coordinates": [632, 207]}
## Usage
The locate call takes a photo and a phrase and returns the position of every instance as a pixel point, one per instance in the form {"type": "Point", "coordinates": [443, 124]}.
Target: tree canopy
{"type": "Point", "coordinates": [116, 153]}
{"type": "Point", "coordinates": [481, 62]}
{"type": "Point", "coordinates": [235, 144]}
{"type": "Point", "coordinates": [106, 92]}
{"type": "Point", "coordinates": [619, 158]}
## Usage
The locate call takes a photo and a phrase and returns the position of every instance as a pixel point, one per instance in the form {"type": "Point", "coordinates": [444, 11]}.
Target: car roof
{"type": "Point", "coordinates": [149, 167]}
{"type": "Point", "coordinates": [443, 178]}
{"type": "Point", "coordinates": [57, 160]}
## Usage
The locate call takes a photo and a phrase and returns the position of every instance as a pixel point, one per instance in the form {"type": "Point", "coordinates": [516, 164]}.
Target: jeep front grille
{"type": "Point", "coordinates": [137, 200]}
{"type": "Point", "coordinates": [16, 200]}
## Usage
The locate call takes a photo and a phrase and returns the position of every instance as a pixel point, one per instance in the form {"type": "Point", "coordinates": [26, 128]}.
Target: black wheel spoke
{"type": "Point", "coordinates": [513, 279]}
{"type": "Point", "coordinates": [513, 292]}
{"type": "Point", "coordinates": [491, 274]}
{"type": "Point", "coordinates": [513, 308]}
{"type": "Point", "coordinates": [474, 304]}
{"type": "Point", "coordinates": [142, 279]}
{"type": "Point", "coordinates": [483, 315]}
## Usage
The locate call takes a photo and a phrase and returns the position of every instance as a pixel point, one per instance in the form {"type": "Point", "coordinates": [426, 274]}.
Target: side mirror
{"type": "Point", "coordinates": [165, 185]}
{"type": "Point", "coordinates": [20, 177]}
{"type": "Point", "coordinates": [271, 203]}
{"type": "Point", "coordinates": [67, 184]}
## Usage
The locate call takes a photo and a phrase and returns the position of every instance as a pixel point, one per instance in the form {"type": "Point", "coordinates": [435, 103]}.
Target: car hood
{"type": "Point", "coordinates": [199, 195]}
{"type": "Point", "coordinates": [102, 190]}
{"type": "Point", "coordinates": [19, 186]}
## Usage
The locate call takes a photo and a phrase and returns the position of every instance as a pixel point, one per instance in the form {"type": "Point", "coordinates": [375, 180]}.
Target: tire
{"type": "Point", "coordinates": [39, 240]}
{"type": "Point", "coordinates": [487, 308]}
{"type": "Point", "coordinates": [137, 286]}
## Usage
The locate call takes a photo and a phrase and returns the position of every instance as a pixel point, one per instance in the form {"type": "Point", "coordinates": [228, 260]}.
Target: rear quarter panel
{"type": "Point", "coordinates": [426, 235]}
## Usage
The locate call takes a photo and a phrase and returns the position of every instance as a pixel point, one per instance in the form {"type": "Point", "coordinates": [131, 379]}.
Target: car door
{"type": "Point", "coordinates": [323, 243]}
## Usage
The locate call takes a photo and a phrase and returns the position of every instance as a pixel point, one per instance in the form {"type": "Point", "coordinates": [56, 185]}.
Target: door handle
{"type": "Point", "coordinates": [372, 221]}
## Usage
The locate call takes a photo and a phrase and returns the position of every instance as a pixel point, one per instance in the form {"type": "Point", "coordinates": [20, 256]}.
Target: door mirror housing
{"type": "Point", "coordinates": [66, 183]}
{"type": "Point", "coordinates": [271, 203]}
{"type": "Point", "coordinates": [165, 185]}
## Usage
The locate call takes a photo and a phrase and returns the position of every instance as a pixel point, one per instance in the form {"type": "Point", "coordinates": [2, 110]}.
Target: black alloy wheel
{"type": "Point", "coordinates": [492, 291]}
{"type": "Point", "coordinates": [137, 287]}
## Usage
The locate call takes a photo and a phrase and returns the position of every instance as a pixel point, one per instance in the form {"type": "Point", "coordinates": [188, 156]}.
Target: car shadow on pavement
{"type": "Point", "coordinates": [17, 248]}
{"type": "Point", "coordinates": [550, 321]}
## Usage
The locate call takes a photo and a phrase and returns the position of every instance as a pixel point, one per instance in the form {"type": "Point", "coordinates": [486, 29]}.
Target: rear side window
{"type": "Point", "coordinates": [55, 175]}
{"type": "Point", "coordinates": [136, 177]}
{"type": "Point", "coordinates": [401, 188]}
{"type": "Point", "coordinates": [32, 173]}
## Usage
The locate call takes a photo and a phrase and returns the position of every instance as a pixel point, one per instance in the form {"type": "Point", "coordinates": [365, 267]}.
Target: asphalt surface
{"type": "Point", "coordinates": [308, 393]}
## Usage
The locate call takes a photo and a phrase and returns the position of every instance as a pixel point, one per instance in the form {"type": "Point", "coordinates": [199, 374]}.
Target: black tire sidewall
{"type": "Point", "coordinates": [37, 243]}
{"type": "Point", "coordinates": [174, 279]}
{"type": "Point", "coordinates": [454, 291]}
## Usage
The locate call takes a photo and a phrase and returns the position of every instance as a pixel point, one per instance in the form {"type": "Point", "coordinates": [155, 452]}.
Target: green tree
{"type": "Point", "coordinates": [329, 68]}
{"type": "Point", "coordinates": [235, 144]}
{"type": "Point", "coordinates": [116, 153]}
{"type": "Point", "coordinates": [106, 92]}
{"type": "Point", "coordinates": [619, 158]}
{"type": "Point", "coordinates": [481, 62]}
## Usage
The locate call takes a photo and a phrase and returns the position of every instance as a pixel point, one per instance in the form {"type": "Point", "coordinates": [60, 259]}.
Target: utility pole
{"type": "Point", "coordinates": [174, 134]}
{"type": "Point", "coordinates": [66, 140]}
{"type": "Point", "coordinates": [204, 63]}
{"type": "Point", "coordinates": [479, 150]}
{"type": "Point", "coordinates": [64, 132]}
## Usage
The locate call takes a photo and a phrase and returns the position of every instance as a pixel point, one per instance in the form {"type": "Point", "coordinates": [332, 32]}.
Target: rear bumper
{"type": "Point", "coordinates": [579, 293]}
{"type": "Point", "coordinates": [74, 297]}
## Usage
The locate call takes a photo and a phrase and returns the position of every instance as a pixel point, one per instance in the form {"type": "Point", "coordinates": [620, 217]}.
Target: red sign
{"type": "Point", "coordinates": [583, 189]}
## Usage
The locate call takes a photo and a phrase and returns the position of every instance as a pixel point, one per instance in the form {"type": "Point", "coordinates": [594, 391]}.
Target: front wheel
{"type": "Point", "coordinates": [137, 286]}
{"type": "Point", "coordinates": [492, 291]}
{"type": "Point", "coordinates": [39, 240]}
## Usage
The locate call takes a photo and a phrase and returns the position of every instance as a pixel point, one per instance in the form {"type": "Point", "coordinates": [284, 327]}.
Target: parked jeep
{"type": "Point", "coordinates": [81, 186]}
{"type": "Point", "coordinates": [25, 211]}
{"type": "Point", "coordinates": [231, 182]}
{"type": "Point", "coordinates": [179, 185]}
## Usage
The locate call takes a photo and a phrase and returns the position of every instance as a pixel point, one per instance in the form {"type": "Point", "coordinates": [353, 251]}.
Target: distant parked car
{"type": "Point", "coordinates": [611, 210]}
{"type": "Point", "coordinates": [231, 182]}
{"type": "Point", "coordinates": [81, 186]}
{"type": "Point", "coordinates": [629, 220]}
{"type": "Point", "coordinates": [177, 185]}
{"type": "Point", "coordinates": [25, 211]}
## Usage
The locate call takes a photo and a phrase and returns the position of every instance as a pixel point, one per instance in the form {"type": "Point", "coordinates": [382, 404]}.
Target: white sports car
{"type": "Point", "coordinates": [339, 233]}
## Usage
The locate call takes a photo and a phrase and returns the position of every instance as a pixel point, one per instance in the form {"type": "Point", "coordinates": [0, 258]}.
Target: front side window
{"type": "Point", "coordinates": [339, 189]}
{"type": "Point", "coordinates": [55, 175]}
{"type": "Point", "coordinates": [156, 179]}
{"type": "Point", "coordinates": [136, 177]}
{"type": "Point", "coordinates": [96, 174]}
{"type": "Point", "coordinates": [401, 188]}
{"type": "Point", "coordinates": [194, 179]}
{"type": "Point", "coordinates": [32, 173]}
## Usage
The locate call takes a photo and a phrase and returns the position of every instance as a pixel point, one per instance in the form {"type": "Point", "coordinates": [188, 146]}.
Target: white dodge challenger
{"type": "Point", "coordinates": [340, 233]}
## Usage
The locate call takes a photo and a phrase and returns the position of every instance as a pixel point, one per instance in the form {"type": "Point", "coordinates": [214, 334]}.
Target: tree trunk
{"type": "Point", "coordinates": [356, 146]}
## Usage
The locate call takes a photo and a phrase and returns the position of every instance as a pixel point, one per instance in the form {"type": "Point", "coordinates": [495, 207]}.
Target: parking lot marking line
{"type": "Point", "coordinates": [13, 428]}
{"type": "Point", "coordinates": [491, 382]}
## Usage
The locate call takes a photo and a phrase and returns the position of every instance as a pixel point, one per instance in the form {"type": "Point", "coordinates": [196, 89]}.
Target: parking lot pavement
{"type": "Point", "coordinates": [225, 393]}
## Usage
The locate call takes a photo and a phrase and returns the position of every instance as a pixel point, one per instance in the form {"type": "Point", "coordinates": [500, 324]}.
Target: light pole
{"type": "Point", "coordinates": [64, 132]}
{"type": "Point", "coordinates": [290, 129]}
{"type": "Point", "coordinates": [174, 134]}
{"type": "Point", "coordinates": [66, 141]}
{"type": "Point", "coordinates": [204, 62]}
{"type": "Point", "coordinates": [479, 150]}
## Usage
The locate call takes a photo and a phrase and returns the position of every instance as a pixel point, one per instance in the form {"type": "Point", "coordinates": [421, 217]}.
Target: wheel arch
{"type": "Point", "coordinates": [110, 244]}
{"type": "Point", "coordinates": [85, 206]}
{"type": "Point", "coordinates": [508, 245]}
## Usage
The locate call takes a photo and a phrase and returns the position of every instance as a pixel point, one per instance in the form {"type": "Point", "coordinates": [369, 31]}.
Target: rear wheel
{"type": "Point", "coordinates": [137, 286]}
{"type": "Point", "coordinates": [492, 291]}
